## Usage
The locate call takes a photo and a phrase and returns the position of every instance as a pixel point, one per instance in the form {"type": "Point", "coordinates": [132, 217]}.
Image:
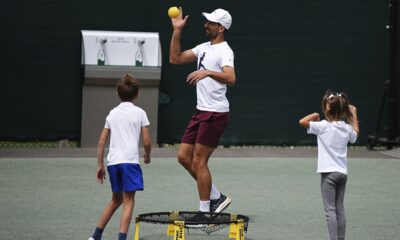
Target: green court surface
{"type": "Point", "coordinates": [59, 198]}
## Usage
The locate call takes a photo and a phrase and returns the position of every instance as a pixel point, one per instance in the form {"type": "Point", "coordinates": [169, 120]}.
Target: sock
{"type": "Point", "coordinates": [97, 233]}
{"type": "Point", "coordinates": [205, 206]}
{"type": "Point", "coordinates": [122, 236]}
{"type": "Point", "coordinates": [215, 194]}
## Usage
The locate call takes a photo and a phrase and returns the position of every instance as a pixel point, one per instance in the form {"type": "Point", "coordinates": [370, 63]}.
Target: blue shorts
{"type": "Point", "coordinates": [125, 177]}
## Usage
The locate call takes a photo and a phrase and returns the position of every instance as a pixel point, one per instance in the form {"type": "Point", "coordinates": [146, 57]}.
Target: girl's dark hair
{"type": "Point", "coordinates": [335, 106]}
{"type": "Point", "coordinates": [128, 88]}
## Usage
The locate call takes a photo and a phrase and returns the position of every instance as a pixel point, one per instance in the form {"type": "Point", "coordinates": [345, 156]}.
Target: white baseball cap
{"type": "Point", "coordinates": [220, 16]}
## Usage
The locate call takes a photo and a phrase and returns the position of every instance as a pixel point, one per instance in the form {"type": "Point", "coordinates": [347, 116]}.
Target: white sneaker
{"type": "Point", "coordinates": [91, 238]}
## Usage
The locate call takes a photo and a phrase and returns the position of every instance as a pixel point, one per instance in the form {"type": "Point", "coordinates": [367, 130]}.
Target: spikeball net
{"type": "Point", "coordinates": [207, 222]}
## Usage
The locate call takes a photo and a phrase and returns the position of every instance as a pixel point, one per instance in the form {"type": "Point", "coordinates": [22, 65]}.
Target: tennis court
{"type": "Point", "coordinates": [53, 194]}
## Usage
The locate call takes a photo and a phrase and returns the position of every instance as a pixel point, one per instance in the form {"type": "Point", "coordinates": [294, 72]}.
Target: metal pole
{"type": "Point", "coordinates": [392, 90]}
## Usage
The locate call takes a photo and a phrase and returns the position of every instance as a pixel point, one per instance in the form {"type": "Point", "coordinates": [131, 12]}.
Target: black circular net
{"type": "Point", "coordinates": [206, 222]}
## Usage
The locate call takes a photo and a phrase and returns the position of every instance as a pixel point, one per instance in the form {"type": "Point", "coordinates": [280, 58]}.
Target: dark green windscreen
{"type": "Point", "coordinates": [287, 53]}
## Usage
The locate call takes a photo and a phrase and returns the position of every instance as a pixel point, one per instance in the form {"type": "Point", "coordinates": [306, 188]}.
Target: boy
{"type": "Point", "coordinates": [125, 123]}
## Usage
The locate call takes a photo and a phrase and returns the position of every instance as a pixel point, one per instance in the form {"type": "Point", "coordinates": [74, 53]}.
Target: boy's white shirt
{"type": "Point", "coordinates": [333, 138]}
{"type": "Point", "coordinates": [125, 123]}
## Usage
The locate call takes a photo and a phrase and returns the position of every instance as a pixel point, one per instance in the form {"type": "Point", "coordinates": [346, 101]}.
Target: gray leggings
{"type": "Point", "coordinates": [333, 186]}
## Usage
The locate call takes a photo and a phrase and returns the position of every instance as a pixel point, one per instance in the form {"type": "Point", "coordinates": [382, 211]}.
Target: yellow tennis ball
{"type": "Point", "coordinates": [173, 12]}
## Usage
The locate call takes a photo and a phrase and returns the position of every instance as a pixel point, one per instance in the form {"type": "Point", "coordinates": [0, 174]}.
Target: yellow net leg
{"type": "Point", "coordinates": [236, 230]}
{"type": "Point", "coordinates": [171, 230]}
{"type": "Point", "coordinates": [179, 230]}
{"type": "Point", "coordinates": [136, 237]}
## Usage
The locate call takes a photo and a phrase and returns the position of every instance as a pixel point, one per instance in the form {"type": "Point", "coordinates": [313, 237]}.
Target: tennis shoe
{"type": "Point", "coordinates": [91, 238]}
{"type": "Point", "coordinates": [220, 204]}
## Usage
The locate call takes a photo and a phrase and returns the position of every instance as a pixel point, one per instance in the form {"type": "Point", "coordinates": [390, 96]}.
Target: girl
{"type": "Point", "coordinates": [339, 127]}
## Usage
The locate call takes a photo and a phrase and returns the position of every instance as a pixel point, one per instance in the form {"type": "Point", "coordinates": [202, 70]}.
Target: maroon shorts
{"type": "Point", "coordinates": [206, 128]}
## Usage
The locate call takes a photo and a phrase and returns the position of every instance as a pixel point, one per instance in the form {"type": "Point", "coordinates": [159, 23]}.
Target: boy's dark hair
{"type": "Point", "coordinates": [335, 106]}
{"type": "Point", "coordinates": [128, 88]}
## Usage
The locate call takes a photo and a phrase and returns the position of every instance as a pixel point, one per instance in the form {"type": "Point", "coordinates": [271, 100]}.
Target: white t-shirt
{"type": "Point", "coordinates": [210, 93]}
{"type": "Point", "coordinates": [125, 123]}
{"type": "Point", "coordinates": [332, 144]}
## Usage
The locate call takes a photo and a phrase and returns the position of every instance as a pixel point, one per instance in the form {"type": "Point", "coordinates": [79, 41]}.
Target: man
{"type": "Point", "coordinates": [215, 70]}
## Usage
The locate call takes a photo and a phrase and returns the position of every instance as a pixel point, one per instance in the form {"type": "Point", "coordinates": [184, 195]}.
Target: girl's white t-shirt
{"type": "Point", "coordinates": [210, 93]}
{"type": "Point", "coordinates": [333, 138]}
{"type": "Point", "coordinates": [125, 123]}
